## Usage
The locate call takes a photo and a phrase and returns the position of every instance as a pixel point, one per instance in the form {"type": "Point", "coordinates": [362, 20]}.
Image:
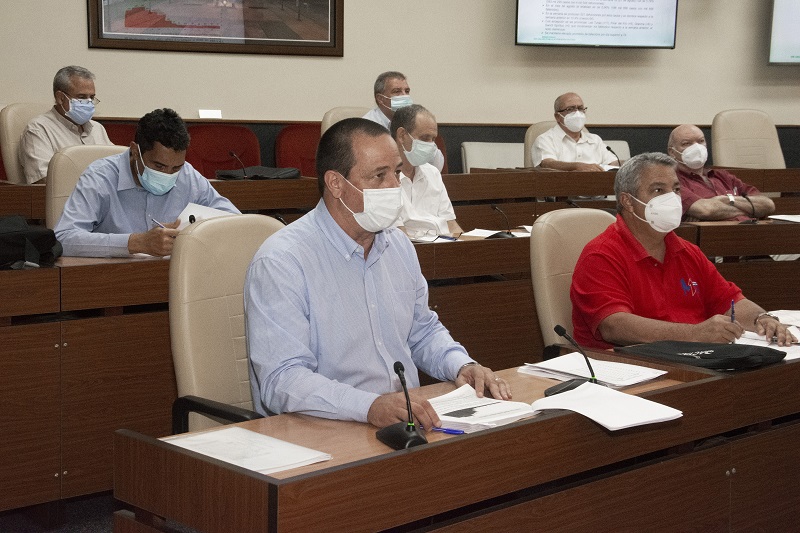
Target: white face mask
{"type": "Point", "coordinates": [396, 102]}
{"type": "Point", "coordinates": [575, 121]}
{"type": "Point", "coordinates": [382, 207]}
{"type": "Point", "coordinates": [421, 152]}
{"type": "Point", "coordinates": [663, 212]}
{"type": "Point", "coordinates": [695, 156]}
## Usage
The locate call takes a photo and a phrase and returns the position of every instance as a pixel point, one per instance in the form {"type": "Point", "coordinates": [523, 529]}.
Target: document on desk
{"type": "Point", "coordinates": [248, 449]}
{"type": "Point", "coordinates": [462, 409]}
{"type": "Point", "coordinates": [754, 339]}
{"type": "Point", "coordinates": [487, 232]}
{"type": "Point", "coordinates": [199, 212]}
{"type": "Point", "coordinates": [573, 365]}
{"type": "Point", "coordinates": [612, 409]}
{"type": "Point", "coordinates": [787, 218]}
{"type": "Point", "coordinates": [788, 316]}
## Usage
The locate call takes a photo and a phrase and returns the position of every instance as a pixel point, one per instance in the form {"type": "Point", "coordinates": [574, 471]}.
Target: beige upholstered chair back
{"type": "Point", "coordinates": [491, 155]}
{"type": "Point", "coordinates": [530, 135]}
{"type": "Point", "coordinates": [557, 240]}
{"type": "Point", "coordinates": [206, 307]}
{"type": "Point", "coordinates": [63, 172]}
{"type": "Point", "coordinates": [340, 113]}
{"type": "Point", "coordinates": [13, 119]}
{"type": "Point", "coordinates": [620, 148]}
{"type": "Point", "coordinates": [745, 138]}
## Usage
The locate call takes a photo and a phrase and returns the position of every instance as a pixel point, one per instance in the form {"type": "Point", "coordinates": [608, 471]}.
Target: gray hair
{"type": "Point", "coordinates": [629, 176]}
{"type": "Point", "coordinates": [406, 118]}
{"type": "Point", "coordinates": [380, 83]}
{"type": "Point", "coordinates": [62, 81]}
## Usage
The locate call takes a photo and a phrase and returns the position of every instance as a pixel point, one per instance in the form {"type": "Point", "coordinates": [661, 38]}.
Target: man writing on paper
{"type": "Point", "coordinates": [335, 298]}
{"type": "Point", "coordinates": [568, 145]}
{"type": "Point", "coordinates": [128, 203]}
{"type": "Point", "coordinates": [426, 206]}
{"type": "Point", "coordinates": [639, 282]}
{"type": "Point", "coordinates": [392, 93]}
{"type": "Point", "coordinates": [711, 193]}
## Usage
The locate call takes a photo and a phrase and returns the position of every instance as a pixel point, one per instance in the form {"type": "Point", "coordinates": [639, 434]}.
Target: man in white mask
{"type": "Point", "coordinates": [68, 123]}
{"type": "Point", "coordinates": [335, 298]}
{"type": "Point", "coordinates": [639, 282]}
{"type": "Point", "coordinates": [568, 145]}
{"type": "Point", "coordinates": [392, 93]}
{"type": "Point", "coordinates": [426, 207]}
{"type": "Point", "coordinates": [707, 193]}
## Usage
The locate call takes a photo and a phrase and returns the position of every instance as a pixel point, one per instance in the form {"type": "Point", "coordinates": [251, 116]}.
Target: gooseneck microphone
{"type": "Point", "coordinates": [615, 154]}
{"type": "Point", "coordinates": [502, 234]}
{"type": "Point", "coordinates": [235, 155]}
{"type": "Point", "coordinates": [753, 218]}
{"type": "Point", "coordinates": [403, 434]}
{"type": "Point", "coordinates": [572, 383]}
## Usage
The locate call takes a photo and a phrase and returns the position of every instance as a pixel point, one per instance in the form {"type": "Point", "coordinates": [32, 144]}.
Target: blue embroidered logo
{"type": "Point", "coordinates": [689, 287]}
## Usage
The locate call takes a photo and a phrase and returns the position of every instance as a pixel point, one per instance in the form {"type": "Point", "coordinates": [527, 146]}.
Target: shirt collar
{"type": "Point", "coordinates": [125, 181]}
{"type": "Point", "coordinates": [67, 123]}
{"type": "Point", "coordinates": [582, 139]}
{"type": "Point", "coordinates": [673, 242]}
{"type": "Point", "coordinates": [341, 241]}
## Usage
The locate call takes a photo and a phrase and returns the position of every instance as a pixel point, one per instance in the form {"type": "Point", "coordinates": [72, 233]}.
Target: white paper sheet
{"type": "Point", "coordinates": [462, 409]}
{"type": "Point", "coordinates": [487, 232]}
{"type": "Point", "coordinates": [754, 339]}
{"type": "Point", "coordinates": [787, 218]}
{"type": "Point", "coordinates": [573, 365]}
{"type": "Point", "coordinates": [200, 212]}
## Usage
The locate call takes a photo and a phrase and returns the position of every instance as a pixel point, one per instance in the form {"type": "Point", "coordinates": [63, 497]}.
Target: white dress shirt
{"type": "Point", "coordinates": [426, 205]}
{"type": "Point", "coordinates": [556, 144]}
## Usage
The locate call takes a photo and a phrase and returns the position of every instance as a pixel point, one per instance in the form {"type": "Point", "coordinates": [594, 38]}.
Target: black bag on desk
{"type": "Point", "coordinates": [21, 244]}
{"type": "Point", "coordinates": [706, 354]}
{"type": "Point", "coordinates": [258, 173]}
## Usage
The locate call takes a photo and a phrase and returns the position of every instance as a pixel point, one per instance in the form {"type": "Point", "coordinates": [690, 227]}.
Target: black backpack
{"type": "Point", "coordinates": [23, 246]}
{"type": "Point", "coordinates": [706, 354]}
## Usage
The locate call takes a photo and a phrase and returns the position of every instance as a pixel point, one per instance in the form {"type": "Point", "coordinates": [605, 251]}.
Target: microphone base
{"type": "Point", "coordinates": [751, 221]}
{"type": "Point", "coordinates": [565, 386]}
{"type": "Point", "coordinates": [501, 235]}
{"type": "Point", "coordinates": [400, 436]}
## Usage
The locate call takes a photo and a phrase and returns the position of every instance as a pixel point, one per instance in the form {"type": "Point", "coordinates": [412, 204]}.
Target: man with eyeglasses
{"type": "Point", "coordinates": [568, 145]}
{"type": "Point", "coordinates": [68, 123]}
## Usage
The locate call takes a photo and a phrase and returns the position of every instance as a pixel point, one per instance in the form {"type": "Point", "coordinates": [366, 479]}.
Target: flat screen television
{"type": "Point", "coordinates": [598, 23]}
{"type": "Point", "coordinates": [784, 43]}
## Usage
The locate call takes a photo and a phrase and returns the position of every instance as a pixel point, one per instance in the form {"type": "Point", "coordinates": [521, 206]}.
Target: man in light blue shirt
{"type": "Point", "coordinates": [335, 298]}
{"type": "Point", "coordinates": [129, 203]}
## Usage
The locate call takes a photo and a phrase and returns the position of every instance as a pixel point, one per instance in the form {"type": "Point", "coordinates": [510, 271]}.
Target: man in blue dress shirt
{"type": "Point", "coordinates": [335, 298]}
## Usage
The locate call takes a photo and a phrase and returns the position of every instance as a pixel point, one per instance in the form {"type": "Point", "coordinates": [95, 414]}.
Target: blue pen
{"type": "Point", "coordinates": [449, 431]}
{"type": "Point", "coordinates": [733, 312]}
{"type": "Point", "coordinates": [157, 223]}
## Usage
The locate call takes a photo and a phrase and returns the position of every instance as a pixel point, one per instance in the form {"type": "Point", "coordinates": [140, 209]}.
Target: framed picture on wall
{"type": "Point", "coordinates": [283, 27]}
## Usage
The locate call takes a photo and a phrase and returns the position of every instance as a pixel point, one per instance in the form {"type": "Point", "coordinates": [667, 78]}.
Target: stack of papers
{"type": "Point", "coordinates": [788, 317]}
{"type": "Point", "coordinates": [249, 449]}
{"type": "Point", "coordinates": [573, 365]}
{"type": "Point", "coordinates": [787, 218]}
{"type": "Point", "coordinates": [462, 409]}
{"type": "Point", "coordinates": [488, 232]}
{"type": "Point", "coordinates": [754, 339]}
{"type": "Point", "coordinates": [611, 409]}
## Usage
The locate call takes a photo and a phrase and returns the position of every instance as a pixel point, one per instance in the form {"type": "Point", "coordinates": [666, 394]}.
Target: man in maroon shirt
{"type": "Point", "coordinates": [709, 193]}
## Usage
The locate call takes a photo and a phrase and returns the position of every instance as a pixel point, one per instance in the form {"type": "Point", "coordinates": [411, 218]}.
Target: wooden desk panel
{"type": "Point", "coordinates": [38, 202]}
{"type": "Point", "coordinates": [735, 239]}
{"type": "Point", "coordinates": [483, 216]}
{"type": "Point", "coordinates": [787, 205]}
{"type": "Point", "coordinates": [546, 207]}
{"type": "Point", "coordinates": [771, 284]}
{"type": "Point", "coordinates": [482, 257]}
{"type": "Point", "coordinates": [574, 183]}
{"type": "Point", "coordinates": [15, 199]}
{"type": "Point", "coordinates": [781, 180]}
{"type": "Point", "coordinates": [29, 292]}
{"type": "Point", "coordinates": [257, 195]}
{"type": "Point", "coordinates": [489, 186]}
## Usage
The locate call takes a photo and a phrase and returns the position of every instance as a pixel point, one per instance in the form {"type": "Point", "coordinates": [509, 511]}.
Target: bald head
{"type": "Point", "coordinates": [566, 100]}
{"type": "Point", "coordinates": [684, 136]}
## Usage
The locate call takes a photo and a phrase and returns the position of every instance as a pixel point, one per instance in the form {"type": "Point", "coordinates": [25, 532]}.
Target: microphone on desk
{"type": "Point", "coordinates": [753, 219]}
{"type": "Point", "coordinates": [615, 154]}
{"type": "Point", "coordinates": [572, 383]}
{"type": "Point", "coordinates": [502, 234]}
{"type": "Point", "coordinates": [403, 434]}
{"type": "Point", "coordinates": [573, 203]}
{"type": "Point", "coordinates": [235, 155]}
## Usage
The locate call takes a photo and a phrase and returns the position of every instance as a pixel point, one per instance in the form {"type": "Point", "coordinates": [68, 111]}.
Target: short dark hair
{"type": "Point", "coordinates": [164, 126]}
{"type": "Point", "coordinates": [406, 118]}
{"type": "Point", "coordinates": [335, 150]}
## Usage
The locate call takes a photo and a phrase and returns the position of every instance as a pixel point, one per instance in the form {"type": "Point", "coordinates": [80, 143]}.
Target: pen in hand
{"type": "Point", "coordinates": [157, 223]}
{"type": "Point", "coordinates": [733, 311]}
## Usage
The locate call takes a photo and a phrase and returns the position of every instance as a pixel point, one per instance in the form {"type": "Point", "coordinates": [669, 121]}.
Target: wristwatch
{"type": "Point", "coordinates": [765, 313]}
{"type": "Point", "coordinates": [730, 199]}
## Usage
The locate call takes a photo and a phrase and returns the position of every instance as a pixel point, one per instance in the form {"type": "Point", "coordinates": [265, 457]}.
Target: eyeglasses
{"type": "Point", "coordinates": [93, 100]}
{"type": "Point", "coordinates": [573, 108]}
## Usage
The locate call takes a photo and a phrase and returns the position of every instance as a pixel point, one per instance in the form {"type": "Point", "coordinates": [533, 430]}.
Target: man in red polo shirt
{"type": "Point", "coordinates": [639, 282]}
{"type": "Point", "coordinates": [711, 193]}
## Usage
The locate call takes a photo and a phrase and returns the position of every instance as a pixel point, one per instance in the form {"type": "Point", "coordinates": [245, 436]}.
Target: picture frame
{"type": "Point", "coordinates": [280, 27]}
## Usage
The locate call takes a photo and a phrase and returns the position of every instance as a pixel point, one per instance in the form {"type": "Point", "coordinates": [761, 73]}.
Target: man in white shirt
{"type": "Point", "coordinates": [391, 93]}
{"type": "Point", "coordinates": [68, 123]}
{"type": "Point", "coordinates": [568, 145]}
{"type": "Point", "coordinates": [426, 206]}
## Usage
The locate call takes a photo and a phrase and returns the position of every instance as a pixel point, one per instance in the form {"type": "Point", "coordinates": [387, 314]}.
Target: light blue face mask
{"type": "Point", "coordinates": [80, 111]}
{"type": "Point", "coordinates": [155, 182]}
{"type": "Point", "coordinates": [396, 102]}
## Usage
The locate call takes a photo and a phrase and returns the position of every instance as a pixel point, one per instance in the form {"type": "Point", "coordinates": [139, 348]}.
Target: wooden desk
{"type": "Point", "coordinates": [556, 471]}
{"type": "Point", "coordinates": [267, 196]}
{"type": "Point", "coordinates": [25, 200]}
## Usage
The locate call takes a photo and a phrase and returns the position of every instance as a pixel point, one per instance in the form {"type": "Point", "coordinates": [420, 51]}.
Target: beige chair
{"type": "Point", "coordinates": [13, 119]}
{"type": "Point", "coordinates": [530, 135]}
{"type": "Point", "coordinates": [340, 113]}
{"type": "Point", "coordinates": [557, 240]}
{"type": "Point", "coordinates": [491, 155]}
{"type": "Point", "coordinates": [206, 318]}
{"type": "Point", "coordinates": [745, 138]}
{"type": "Point", "coordinates": [63, 172]}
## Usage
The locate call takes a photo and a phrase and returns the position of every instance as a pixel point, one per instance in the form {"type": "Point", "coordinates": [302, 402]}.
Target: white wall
{"type": "Point", "coordinates": [459, 56]}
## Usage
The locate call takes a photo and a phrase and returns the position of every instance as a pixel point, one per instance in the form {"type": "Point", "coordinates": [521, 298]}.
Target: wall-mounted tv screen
{"type": "Point", "coordinates": [615, 23]}
{"type": "Point", "coordinates": [784, 44]}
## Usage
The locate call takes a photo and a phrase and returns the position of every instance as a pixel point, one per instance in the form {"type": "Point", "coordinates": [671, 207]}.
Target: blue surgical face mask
{"type": "Point", "coordinates": [396, 102]}
{"type": "Point", "coordinates": [153, 181]}
{"type": "Point", "coordinates": [80, 111]}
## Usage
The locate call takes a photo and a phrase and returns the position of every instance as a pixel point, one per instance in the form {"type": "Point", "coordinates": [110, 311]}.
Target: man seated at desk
{"type": "Point", "coordinates": [711, 193]}
{"type": "Point", "coordinates": [129, 203]}
{"type": "Point", "coordinates": [568, 145]}
{"type": "Point", "coordinates": [68, 123]}
{"type": "Point", "coordinates": [335, 298]}
{"type": "Point", "coordinates": [639, 282]}
{"type": "Point", "coordinates": [426, 206]}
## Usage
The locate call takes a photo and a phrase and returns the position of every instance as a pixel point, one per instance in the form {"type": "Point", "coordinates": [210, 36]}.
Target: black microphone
{"type": "Point", "coordinates": [753, 219]}
{"type": "Point", "coordinates": [279, 218]}
{"type": "Point", "coordinates": [502, 234]}
{"type": "Point", "coordinates": [615, 154]}
{"type": "Point", "coordinates": [573, 203]}
{"type": "Point", "coordinates": [572, 383]}
{"type": "Point", "coordinates": [403, 434]}
{"type": "Point", "coordinates": [244, 170]}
